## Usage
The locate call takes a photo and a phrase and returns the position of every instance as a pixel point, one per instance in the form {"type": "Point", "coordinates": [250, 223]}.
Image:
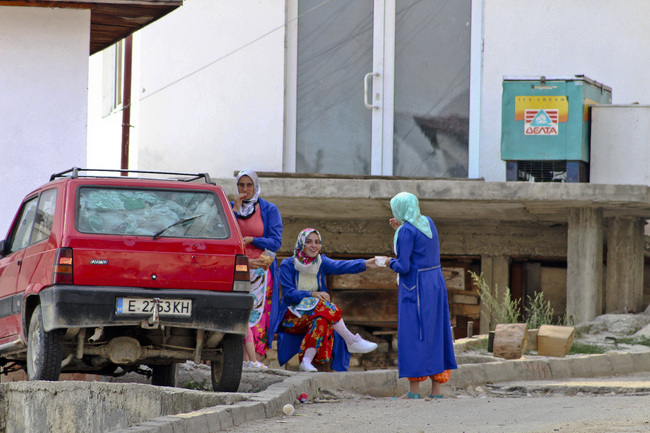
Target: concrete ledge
{"type": "Point", "coordinates": [169, 410]}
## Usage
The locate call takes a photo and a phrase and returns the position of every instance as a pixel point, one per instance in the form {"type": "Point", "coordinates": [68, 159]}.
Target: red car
{"type": "Point", "coordinates": [107, 274]}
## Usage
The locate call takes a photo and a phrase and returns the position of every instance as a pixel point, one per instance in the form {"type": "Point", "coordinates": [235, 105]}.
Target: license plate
{"type": "Point", "coordinates": [166, 307]}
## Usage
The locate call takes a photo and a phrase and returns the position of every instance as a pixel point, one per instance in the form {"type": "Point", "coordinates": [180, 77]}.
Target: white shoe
{"type": "Point", "coordinates": [246, 364]}
{"type": "Point", "coordinates": [258, 364]}
{"type": "Point", "coordinates": [307, 367]}
{"type": "Point", "coordinates": [361, 346]}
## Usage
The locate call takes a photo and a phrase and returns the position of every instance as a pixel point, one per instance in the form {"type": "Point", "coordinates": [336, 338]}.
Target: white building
{"type": "Point", "coordinates": [401, 88]}
{"type": "Point", "coordinates": [279, 85]}
{"type": "Point", "coordinates": [44, 82]}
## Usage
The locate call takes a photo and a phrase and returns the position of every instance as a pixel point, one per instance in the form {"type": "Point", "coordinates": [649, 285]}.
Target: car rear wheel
{"type": "Point", "coordinates": [44, 349]}
{"type": "Point", "coordinates": [226, 370]}
{"type": "Point", "coordinates": [164, 375]}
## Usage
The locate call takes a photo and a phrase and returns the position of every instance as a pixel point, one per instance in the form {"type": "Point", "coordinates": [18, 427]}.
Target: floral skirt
{"type": "Point", "coordinates": [260, 316]}
{"type": "Point", "coordinates": [317, 327]}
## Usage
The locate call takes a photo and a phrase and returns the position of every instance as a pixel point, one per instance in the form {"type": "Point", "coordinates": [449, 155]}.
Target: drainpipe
{"type": "Point", "coordinates": [126, 102]}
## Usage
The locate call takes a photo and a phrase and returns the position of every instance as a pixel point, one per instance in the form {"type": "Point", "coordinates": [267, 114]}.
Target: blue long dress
{"type": "Point", "coordinates": [288, 344]}
{"type": "Point", "coordinates": [424, 343]}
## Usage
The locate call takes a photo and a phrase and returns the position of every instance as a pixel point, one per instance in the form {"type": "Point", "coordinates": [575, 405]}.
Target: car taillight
{"type": "Point", "coordinates": [62, 272]}
{"type": "Point", "coordinates": [242, 278]}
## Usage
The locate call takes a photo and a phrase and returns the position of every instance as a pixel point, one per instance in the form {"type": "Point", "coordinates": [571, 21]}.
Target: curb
{"type": "Point", "coordinates": [385, 383]}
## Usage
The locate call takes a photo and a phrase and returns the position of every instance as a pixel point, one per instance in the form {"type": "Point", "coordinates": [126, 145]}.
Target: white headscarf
{"type": "Point", "coordinates": [248, 206]}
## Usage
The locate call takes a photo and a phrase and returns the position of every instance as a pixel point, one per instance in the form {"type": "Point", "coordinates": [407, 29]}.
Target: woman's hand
{"type": "Point", "coordinates": [248, 240]}
{"type": "Point", "coordinates": [394, 223]}
{"type": "Point", "coordinates": [321, 295]}
{"type": "Point", "coordinates": [236, 205]}
{"type": "Point", "coordinates": [372, 263]}
{"type": "Point", "coordinates": [254, 263]}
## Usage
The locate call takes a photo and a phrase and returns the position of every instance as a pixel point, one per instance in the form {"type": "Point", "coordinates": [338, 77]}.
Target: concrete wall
{"type": "Point", "coordinates": [619, 144]}
{"type": "Point", "coordinates": [43, 98]}
{"type": "Point", "coordinates": [212, 75]}
{"type": "Point", "coordinates": [601, 39]}
{"type": "Point", "coordinates": [82, 407]}
{"type": "Point", "coordinates": [210, 90]}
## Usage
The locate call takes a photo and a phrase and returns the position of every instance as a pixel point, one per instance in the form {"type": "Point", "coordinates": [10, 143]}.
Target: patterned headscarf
{"type": "Point", "coordinates": [406, 207]}
{"type": "Point", "coordinates": [248, 206]}
{"type": "Point", "coordinates": [301, 261]}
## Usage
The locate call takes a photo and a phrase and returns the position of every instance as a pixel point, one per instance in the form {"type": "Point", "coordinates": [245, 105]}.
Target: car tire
{"type": "Point", "coordinates": [226, 370]}
{"type": "Point", "coordinates": [44, 349]}
{"type": "Point", "coordinates": [165, 375]}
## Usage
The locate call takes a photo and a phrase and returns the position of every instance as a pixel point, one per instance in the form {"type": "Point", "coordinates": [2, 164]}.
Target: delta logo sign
{"type": "Point", "coordinates": [541, 114]}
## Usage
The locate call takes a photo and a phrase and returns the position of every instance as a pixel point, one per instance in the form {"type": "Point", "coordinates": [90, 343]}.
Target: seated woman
{"type": "Point", "coordinates": [305, 307]}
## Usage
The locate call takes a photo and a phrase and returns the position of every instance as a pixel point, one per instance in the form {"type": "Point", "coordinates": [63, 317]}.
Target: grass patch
{"type": "Point", "coordinates": [195, 385]}
{"type": "Point", "coordinates": [632, 341]}
{"type": "Point", "coordinates": [587, 349]}
{"type": "Point", "coordinates": [482, 346]}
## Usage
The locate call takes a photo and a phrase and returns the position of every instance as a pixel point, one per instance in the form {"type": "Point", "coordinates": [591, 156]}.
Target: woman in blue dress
{"type": "Point", "coordinates": [425, 346]}
{"type": "Point", "coordinates": [307, 313]}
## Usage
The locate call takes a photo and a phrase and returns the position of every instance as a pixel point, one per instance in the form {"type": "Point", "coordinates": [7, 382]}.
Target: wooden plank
{"type": "Point", "coordinates": [385, 278]}
{"type": "Point", "coordinates": [373, 279]}
{"type": "Point", "coordinates": [471, 292]}
{"type": "Point", "coordinates": [472, 311]}
{"type": "Point", "coordinates": [367, 307]}
{"type": "Point", "coordinates": [454, 277]}
{"type": "Point", "coordinates": [464, 299]}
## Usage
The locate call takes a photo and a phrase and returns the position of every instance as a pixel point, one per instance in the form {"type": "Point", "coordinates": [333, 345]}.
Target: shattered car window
{"type": "Point", "coordinates": [149, 212]}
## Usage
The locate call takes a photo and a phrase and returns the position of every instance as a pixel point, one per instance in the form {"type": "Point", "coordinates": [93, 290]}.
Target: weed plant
{"type": "Point", "coordinates": [539, 311]}
{"type": "Point", "coordinates": [585, 348]}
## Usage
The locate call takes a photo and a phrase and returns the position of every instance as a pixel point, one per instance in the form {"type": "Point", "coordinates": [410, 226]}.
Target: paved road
{"type": "Point", "coordinates": [616, 404]}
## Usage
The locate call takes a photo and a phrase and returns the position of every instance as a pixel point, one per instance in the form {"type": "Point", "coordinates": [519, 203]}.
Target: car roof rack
{"type": "Point", "coordinates": [73, 173]}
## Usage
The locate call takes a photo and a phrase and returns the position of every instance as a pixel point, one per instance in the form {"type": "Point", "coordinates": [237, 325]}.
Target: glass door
{"type": "Point", "coordinates": [431, 88]}
{"type": "Point", "coordinates": [383, 87]}
{"type": "Point", "coordinates": [333, 127]}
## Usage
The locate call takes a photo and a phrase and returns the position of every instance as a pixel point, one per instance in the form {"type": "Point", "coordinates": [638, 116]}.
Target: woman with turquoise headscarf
{"type": "Point", "coordinates": [425, 346]}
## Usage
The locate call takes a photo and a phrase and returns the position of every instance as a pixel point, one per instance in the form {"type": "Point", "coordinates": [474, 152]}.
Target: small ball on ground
{"type": "Point", "coordinates": [288, 409]}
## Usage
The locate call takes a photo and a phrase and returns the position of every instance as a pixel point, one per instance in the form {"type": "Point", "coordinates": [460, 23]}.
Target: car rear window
{"type": "Point", "coordinates": [151, 212]}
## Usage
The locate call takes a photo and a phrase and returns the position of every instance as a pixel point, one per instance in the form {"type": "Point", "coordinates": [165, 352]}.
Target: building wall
{"type": "Point", "coordinates": [210, 95]}
{"type": "Point", "coordinates": [43, 98]}
{"type": "Point", "coordinates": [601, 39]}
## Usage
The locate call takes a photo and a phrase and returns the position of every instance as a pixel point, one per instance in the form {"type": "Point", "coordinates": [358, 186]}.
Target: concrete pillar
{"type": "Point", "coordinates": [624, 272]}
{"type": "Point", "coordinates": [496, 273]}
{"type": "Point", "coordinates": [584, 264]}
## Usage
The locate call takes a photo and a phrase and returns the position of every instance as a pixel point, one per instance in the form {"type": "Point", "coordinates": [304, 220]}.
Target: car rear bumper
{"type": "Point", "coordinates": [91, 306]}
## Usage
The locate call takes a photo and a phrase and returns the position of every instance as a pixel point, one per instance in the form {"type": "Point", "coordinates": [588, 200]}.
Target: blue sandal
{"type": "Point", "coordinates": [410, 395]}
{"type": "Point", "coordinates": [435, 396]}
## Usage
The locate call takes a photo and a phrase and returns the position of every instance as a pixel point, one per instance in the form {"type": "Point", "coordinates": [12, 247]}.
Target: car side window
{"type": "Point", "coordinates": [44, 216]}
{"type": "Point", "coordinates": [22, 233]}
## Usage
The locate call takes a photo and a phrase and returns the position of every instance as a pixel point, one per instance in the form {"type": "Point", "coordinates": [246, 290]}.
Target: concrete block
{"type": "Point", "coordinates": [225, 419]}
{"type": "Point", "coordinates": [622, 363]}
{"type": "Point", "coordinates": [212, 418]}
{"type": "Point", "coordinates": [157, 426]}
{"type": "Point", "coordinates": [591, 366]}
{"type": "Point", "coordinates": [560, 367]}
{"type": "Point", "coordinates": [531, 369]}
{"type": "Point", "coordinates": [193, 422]}
{"type": "Point", "coordinates": [171, 423]}
{"type": "Point", "coordinates": [376, 382]}
{"type": "Point", "coordinates": [641, 361]}
{"type": "Point", "coordinates": [238, 414]}
{"type": "Point", "coordinates": [254, 410]}
{"type": "Point", "coordinates": [469, 374]}
{"type": "Point", "coordinates": [499, 371]}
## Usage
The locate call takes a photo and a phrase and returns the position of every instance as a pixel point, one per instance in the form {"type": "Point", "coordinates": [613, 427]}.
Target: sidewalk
{"type": "Point", "coordinates": [385, 383]}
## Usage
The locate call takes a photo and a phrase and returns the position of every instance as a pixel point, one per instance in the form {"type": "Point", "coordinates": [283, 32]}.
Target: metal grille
{"type": "Point", "coordinates": [541, 171]}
